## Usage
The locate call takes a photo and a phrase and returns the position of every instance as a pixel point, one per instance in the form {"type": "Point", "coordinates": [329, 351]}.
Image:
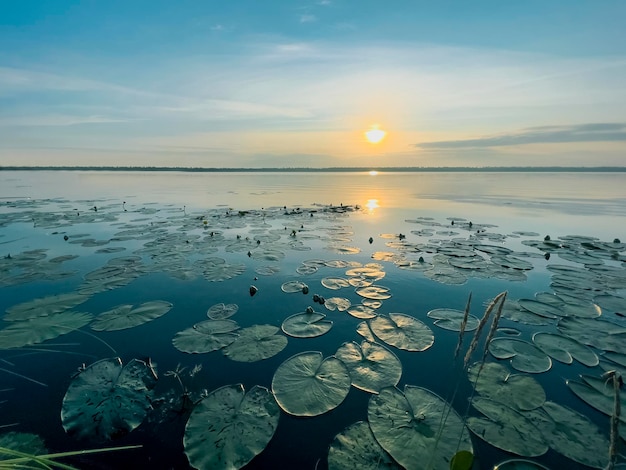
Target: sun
{"type": "Point", "coordinates": [374, 135]}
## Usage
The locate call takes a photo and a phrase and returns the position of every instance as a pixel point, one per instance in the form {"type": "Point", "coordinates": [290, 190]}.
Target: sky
{"type": "Point", "coordinates": [249, 83]}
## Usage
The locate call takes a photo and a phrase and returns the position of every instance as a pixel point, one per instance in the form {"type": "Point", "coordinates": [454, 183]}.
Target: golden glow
{"type": "Point", "coordinates": [371, 205]}
{"type": "Point", "coordinates": [375, 135]}
{"type": "Point", "coordinates": [373, 173]}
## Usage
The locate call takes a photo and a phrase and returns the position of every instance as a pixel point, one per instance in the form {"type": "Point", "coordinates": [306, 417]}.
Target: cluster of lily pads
{"type": "Point", "coordinates": [580, 322]}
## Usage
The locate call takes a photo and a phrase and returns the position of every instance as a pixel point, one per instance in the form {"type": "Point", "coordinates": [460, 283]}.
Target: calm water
{"type": "Point", "coordinates": [159, 218]}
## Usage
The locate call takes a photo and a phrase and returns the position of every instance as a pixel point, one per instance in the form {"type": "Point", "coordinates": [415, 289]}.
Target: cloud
{"type": "Point", "coordinates": [592, 132]}
{"type": "Point", "coordinates": [308, 18]}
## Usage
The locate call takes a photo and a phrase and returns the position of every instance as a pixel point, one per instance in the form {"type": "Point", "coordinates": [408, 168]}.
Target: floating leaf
{"type": "Point", "coordinates": [402, 331]}
{"type": "Point", "coordinates": [337, 303]}
{"type": "Point", "coordinates": [125, 316]}
{"type": "Point", "coordinates": [374, 292]}
{"type": "Point", "coordinates": [206, 336]}
{"type": "Point", "coordinates": [540, 308]}
{"type": "Point", "coordinates": [597, 393]}
{"type": "Point", "coordinates": [229, 427]}
{"type": "Point", "coordinates": [506, 429]}
{"type": "Point", "coordinates": [371, 366]}
{"type": "Point", "coordinates": [44, 306]}
{"type": "Point", "coordinates": [571, 434]}
{"type": "Point", "coordinates": [255, 343]}
{"type": "Point", "coordinates": [595, 332]}
{"type": "Point", "coordinates": [356, 448]}
{"type": "Point", "coordinates": [335, 283]}
{"type": "Point", "coordinates": [565, 349]}
{"type": "Point", "coordinates": [364, 330]}
{"type": "Point", "coordinates": [222, 311]}
{"type": "Point", "coordinates": [306, 325]}
{"type": "Point", "coordinates": [362, 311]}
{"type": "Point", "coordinates": [21, 442]}
{"type": "Point", "coordinates": [418, 428]}
{"type": "Point", "coordinates": [107, 400]}
{"type": "Point", "coordinates": [293, 286]}
{"type": "Point", "coordinates": [39, 329]}
{"type": "Point", "coordinates": [309, 385]}
{"type": "Point", "coordinates": [462, 460]}
{"type": "Point", "coordinates": [450, 319]}
{"type": "Point", "coordinates": [496, 383]}
{"type": "Point", "coordinates": [524, 356]}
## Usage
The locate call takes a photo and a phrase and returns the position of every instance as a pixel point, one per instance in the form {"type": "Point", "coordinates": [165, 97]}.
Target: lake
{"type": "Point", "coordinates": [255, 318]}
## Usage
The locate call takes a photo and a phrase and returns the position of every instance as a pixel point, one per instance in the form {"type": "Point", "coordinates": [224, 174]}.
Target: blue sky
{"type": "Point", "coordinates": [296, 83]}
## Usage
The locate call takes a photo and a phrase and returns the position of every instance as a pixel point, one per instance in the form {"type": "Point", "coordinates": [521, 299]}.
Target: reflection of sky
{"type": "Point", "coordinates": [561, 203]}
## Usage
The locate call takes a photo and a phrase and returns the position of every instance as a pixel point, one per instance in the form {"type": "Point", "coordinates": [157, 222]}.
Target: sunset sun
{"type": "Point", "coordinates": [374, 135]}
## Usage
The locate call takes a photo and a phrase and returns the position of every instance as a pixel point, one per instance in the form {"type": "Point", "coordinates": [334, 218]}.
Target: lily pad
{"type": "Point", "coordinates": [335, 283]}
{"type": "Point", "coordinates": [291, 287]}
{"type": "Point", "coordinates": [39, 329]}
{"type": "Point", "coordinates": [402, 331]}
{"type": "Point", "coordinates": [108, 400]}
{"type": "Point", "coordinates": [597, 393]}
{"type": "Point", "coordinates": [306, 325]}
{"type": "Point", "coordinates": [309, 385]}
{"type": "Point", "coordinates": [44, 306]}
{"type": "Point", "coordinates": [229, 427]}
{"type": "Point", "coordinates": [495, 382]}
{"type": "Point", "coordinates": [519, 464]}
{"type": "Point", "coordinates": [595, 332]}
{"type": "Point", "coordinates": [374, 292]}
{"type": "Point", "coordinates": [356, 448]}
{"type": "Point", "coordinates": [206, 336]}
{"type": "Point", "coordinates": [222, 311]}
{"type": "Point", "coordinates": [362, 311]}
{"type": "Point", "coordinates": [364, 330]}
{"type": "Point", "coordinates": [255, 343]}
{"type": "Point", "coordinates": [571, 434]}
{"type": "Point", "coordinates": [451, 319]}
{"type": "Point", "coordinates": [525, 357]}
{"type": "Point", "coordinates": [506, 429]}
{"type": "Point", "coordinates": [418, 428]}
{"type": "Point", "coordinates": [565, 349]}
{"type": "Point", "coordinates": [337, 303]}
{"type": "Point", "coordinates": [371, 365]}
{"type": "Point", "coordinates": [540, 308]}
{"type": "Point", "coordinates": [125, 316]}
{"type": "Point", "coordinates": [21, 442]}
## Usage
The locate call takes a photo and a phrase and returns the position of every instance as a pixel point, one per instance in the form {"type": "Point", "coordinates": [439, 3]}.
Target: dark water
{"type": "Point", "coordinates": [38, 209]}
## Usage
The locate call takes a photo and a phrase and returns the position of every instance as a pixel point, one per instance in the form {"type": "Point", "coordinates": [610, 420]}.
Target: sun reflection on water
{"type": "Point", "coordinates": [372, 205]}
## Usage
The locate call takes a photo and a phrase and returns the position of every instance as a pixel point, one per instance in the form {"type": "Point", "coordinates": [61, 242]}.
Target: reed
{"type": "Point", "coordinates": [616, 378]}
{"type": "Point", "coordinates": [463, 326]}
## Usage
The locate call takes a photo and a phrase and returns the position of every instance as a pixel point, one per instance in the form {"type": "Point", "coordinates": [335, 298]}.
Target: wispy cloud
{"type": "Point", "coordinates": [592, 132]}
{"type": "Point", "coordinates": [308, 18]}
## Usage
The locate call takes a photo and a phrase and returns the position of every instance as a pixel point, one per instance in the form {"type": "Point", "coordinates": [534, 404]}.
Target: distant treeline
{"type": "Point", "coordinates": [498, 169]}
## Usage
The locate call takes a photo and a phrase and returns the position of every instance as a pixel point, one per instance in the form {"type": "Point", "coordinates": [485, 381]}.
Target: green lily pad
{"type": "Point", "coordinates": [525, 357]}
{"type": "Point", "coordinates": [306, 325]}
{"type": "Point", "coordinates": [291, 287]}
{"type": "Point", "coordinates": [222, 311]}
{"type": "Point", "coordinates": [565, 349]}
{"type": "Point", "coordinates": [21, 442]}
{"type": "Point", "coordinates": [496, 383]}
{"type": "Point", "coordinates": [374, 292]}
{"type": "Point", "coordinates": [337, 303]}
{"type": "Point", "coordinates": [371, 365]}
{"type": "Point", "coordinates": [506, 429]}
{"type": "Point", "coordinates": [125, 316]}
{"type": "Point", "coordinates": [600, 334]}
{"type": "Point", "coordinates": [514, 312]}
{"type": "Point", "coordinates": [356, 448]}
{"type": "Point", "coordinates": [362, 311]}
{"type": "Point", "coordinates": [206, 336]}
{"type": "Point", "coordinates": [540, 308]}
{"type": "Point", "coordinates": [571, 434]}
{"type": "Point", "coordinates": [364, 330]}
{"type": "Point", "coordinates": [39, 329]}
{"type": "Point", "coordinates": [255, 343]}
{"type": "Point", "coordinates": [597, 393]}
{"type": "Point", "coordinates": [309, 385]}
{"type": "Point", "coordinates": [402, 331]}
{"type": "Point", "coordinates": [107, 400]}
{"type": "Point", "coordinates": [451, 319]}
{"type": "Point", "coordinates": [229, 427]}
{"type": "Point", "coordinates": [44, 306]}
{"type": "Point", "coordinates": [412, 428]}
{"type": "Point", "coordinates": [335, 283]}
